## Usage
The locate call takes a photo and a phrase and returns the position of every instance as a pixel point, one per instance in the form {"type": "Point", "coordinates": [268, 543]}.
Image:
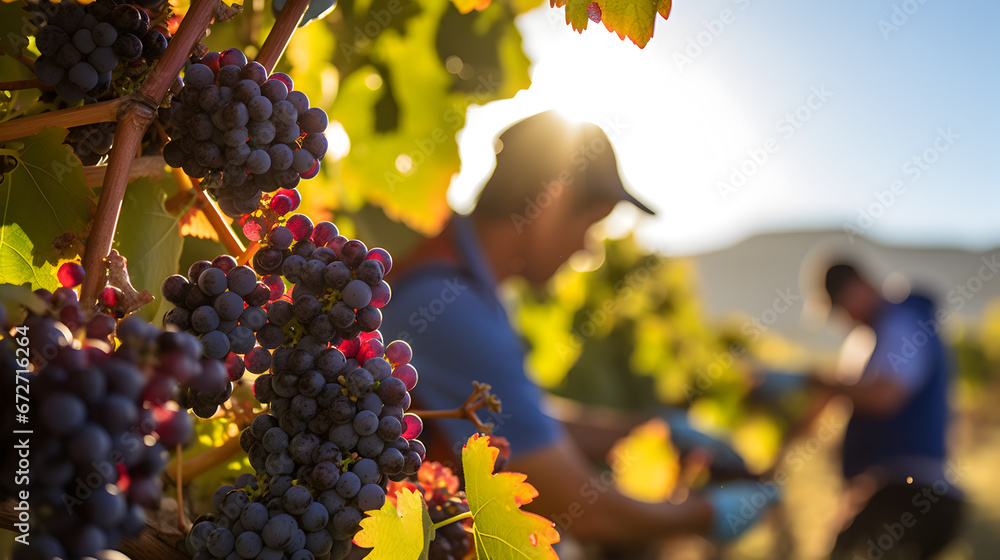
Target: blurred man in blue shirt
{"type": "Point", "coordinates": [553, 180]}
{"type": "Point", "coordinates": [895, 440]}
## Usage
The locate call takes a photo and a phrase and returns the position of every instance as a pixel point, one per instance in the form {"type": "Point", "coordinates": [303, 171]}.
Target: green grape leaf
{"type": "Point", "coordinates": [148, 237]}
{"type": "Point", "coordinates": [16, 250]}
{"type": "Point", "coordinates": [502, 531]}
{"type": "Point", "coordinates": [634, 19]}
{"type": "Point", "coordinates": [43, 197]}
{"type": "Point", "coordinates": [398, 534]}
{"type": "Point", "coordinates": [14, 27]}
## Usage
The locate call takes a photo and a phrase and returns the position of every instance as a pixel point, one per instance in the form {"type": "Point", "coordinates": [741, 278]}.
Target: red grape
{"type": "Point", "coordinates": [70, 274]}
{"type": "Point", "coordinates": [301, 226]}
{"type": "Point", "coordinates": [407, 374]}
{"type": "Point", "coordinates": [382, 256]}
{"type": "Point", "coordinates": [111, 296]}
{"type": "Point", "coordinates": [281, 205]}
{"type": "Point", "coordinates": [412, 426]}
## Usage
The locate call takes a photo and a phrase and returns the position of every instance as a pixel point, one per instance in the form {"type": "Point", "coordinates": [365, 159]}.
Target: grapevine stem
{"type": "Point", "coordinates": [131, 127]}
{"type": "Point", "coordinates": [65, 118]}
{"type": "Point", "coordinates": [23, 84]}
{"type": "Point", "coordinates": [128, 134]}
{"type": "Point", "coordinates": [180, 493]}
{"type": "Point", "coordinates": [226, 236]}
{"type": "Point", "coordinates": [450, 520]}
{"type": "Point", "coordinates": [281, 33]}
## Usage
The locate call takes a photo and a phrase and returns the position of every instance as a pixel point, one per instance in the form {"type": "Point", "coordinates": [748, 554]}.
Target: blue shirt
{"type": "Point", "coordinates": [911, 443]}
{"type": "Point", "coordinates": [450, 314]}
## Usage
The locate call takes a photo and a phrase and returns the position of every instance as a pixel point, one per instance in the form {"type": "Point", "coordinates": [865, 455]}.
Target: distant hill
{"type": "Point", "coordinates": [774, 278]}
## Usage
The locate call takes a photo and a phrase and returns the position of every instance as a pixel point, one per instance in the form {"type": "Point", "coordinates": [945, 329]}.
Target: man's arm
{"type": "Point", "coordinates": [585, 502]}
{"type": "Point", "coordinates": [881, 398]}
{"type": "Point", "coordinates": [594, 430]}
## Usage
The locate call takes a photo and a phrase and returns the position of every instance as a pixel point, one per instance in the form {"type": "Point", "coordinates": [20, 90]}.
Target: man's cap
{"type": "Point", "coordinates": [546, 147]}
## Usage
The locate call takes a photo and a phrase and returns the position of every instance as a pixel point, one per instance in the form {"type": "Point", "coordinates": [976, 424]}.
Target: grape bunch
{"type": "Point", "coordinates": [338, 286]}
{"type": "Point", "coordinates": [335, 434]}
{"type": "Point", "coordinates": [91, 142]}
{"type": "Point", "coordinates": [263, 525]}
{"type": "Point", "coordinates": [222, 303]}
{"type": "Point", "coordinates": [81, 47]}
{"type": "Point", "coordinates": [244, 132]}
{"type": "Point", "coordinates": [100, 422]}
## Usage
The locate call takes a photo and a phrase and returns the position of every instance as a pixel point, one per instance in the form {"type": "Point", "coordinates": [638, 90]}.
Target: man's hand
{"type": "Point", "coordinates": [736, 507]}
{"type": "Point", "coordinates": [688, 439]}
{"type": "Point", "coordinates": [776, 386]}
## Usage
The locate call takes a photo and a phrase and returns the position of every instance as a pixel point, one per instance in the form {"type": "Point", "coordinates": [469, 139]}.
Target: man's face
{"type": "Point", "coordinates": [858, 300]}
{"type": "Point", "coordinates": [556, 234]}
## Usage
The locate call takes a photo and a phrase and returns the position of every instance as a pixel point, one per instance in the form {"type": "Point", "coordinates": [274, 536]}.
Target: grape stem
{"type": "Point", "coordinates": [219, 223]}
{"type": "Point", "coordinates": [479, 399]}
{"type": "Point", "coordinates": [33, 83]}
{"type": "Point", "coordinates": [450, 520]}
{"type": "Point", "coordinates": [245, 257]}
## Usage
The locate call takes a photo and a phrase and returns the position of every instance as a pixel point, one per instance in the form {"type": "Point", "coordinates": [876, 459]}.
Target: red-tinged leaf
{"type": "Point", "coordinates": [194, 223]}
{"type": "Point", "coordinates": [634, 19]}
{"type": "Point", "coordinates": [664, 8]}
{"type": "Point", "coordinates": [397, 532]}
{"type": "Point", "coordinates": [502, 531]}
{"type": "Point", "coordinates": [466, 6]}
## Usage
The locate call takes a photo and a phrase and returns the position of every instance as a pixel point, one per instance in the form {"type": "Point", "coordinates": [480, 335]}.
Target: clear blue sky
{"type": "Point", "coordinates": [681, 125]}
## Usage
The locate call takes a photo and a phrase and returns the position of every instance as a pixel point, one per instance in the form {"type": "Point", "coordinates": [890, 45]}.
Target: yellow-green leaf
{"type": "Point", "coordinates": [645, 464]}
{"type": "Point", "coordinates": [397, 534]}
{"type": "Point", "coordinates": [502, 531]}
{"type": "Point", "coordinates": [43, 197]}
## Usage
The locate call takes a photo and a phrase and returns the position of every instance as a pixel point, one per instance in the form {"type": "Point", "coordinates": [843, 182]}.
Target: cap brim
{"type": "Point", "coordinates": [637, 203]}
